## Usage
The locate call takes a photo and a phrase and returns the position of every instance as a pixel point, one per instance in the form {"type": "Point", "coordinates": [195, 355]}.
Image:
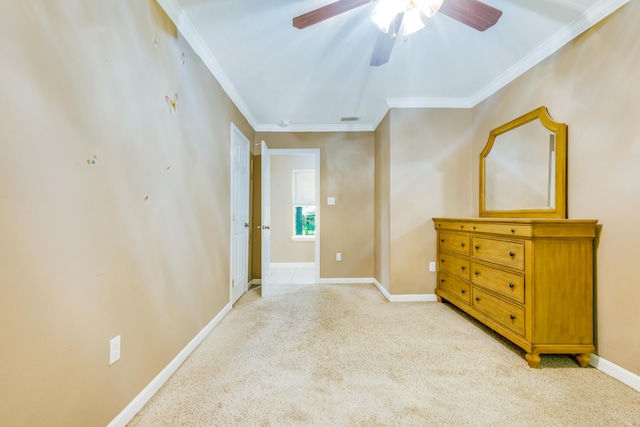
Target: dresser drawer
{"type": "Point", "coordinates": [508, 284]}
{"type": "Point", "coordinates": [524, 230]}
{"type": "Point", "coordinates": [504, 252]}
{"type": "Point", "coordinates": [453, 225]}
{"type": "Point", "coordinates": [507, 314]}
{"type": "Point", "coordinates": [454, 265]}
{"type": "Point", "coordinates": [454, 242]}
{"type": "Point", "coordinates": [457, 288]}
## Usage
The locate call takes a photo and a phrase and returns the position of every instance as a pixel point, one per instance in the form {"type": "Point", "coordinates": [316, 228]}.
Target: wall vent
{"type": "Point", "coordinates": [349, 119]}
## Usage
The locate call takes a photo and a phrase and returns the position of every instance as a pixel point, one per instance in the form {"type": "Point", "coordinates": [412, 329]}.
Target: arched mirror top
{"type": "Point", "coordinates": [523, 169]}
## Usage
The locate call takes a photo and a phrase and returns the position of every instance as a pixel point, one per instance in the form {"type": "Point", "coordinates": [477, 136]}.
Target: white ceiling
{"type": "Point", "coordinates": [315, 76]}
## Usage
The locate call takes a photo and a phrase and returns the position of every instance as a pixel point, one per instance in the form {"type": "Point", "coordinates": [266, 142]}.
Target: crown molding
{"type": "Point", "coordinates": [176, 13]}
{"type": "Point", "coordinates": [429, 103]}
{"type": "Point", "coordinates": [361, 127]}
{"type": "Point", "coordinates": [592, 16]}
{"type": "Point", "coordinates": [382, 112]}
{"type": "Point", "coordinates": [595, 14]}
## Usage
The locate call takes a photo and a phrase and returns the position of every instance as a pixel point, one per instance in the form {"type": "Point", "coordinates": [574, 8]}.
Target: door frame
{"type": "Point", "coordinates": [316, 153]}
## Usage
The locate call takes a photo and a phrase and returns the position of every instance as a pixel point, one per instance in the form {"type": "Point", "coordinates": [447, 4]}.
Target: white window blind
{"type": "Point", "coordinates": [304, 187]}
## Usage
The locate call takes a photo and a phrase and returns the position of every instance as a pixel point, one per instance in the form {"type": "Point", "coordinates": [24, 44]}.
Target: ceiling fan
{"type": "Point", "coordinates": [473, 13]}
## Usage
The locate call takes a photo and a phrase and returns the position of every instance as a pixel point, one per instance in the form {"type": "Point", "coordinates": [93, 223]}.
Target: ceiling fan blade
{"type": "Point", "coordinates": [472, 13]}
{"type": "Point", "coordinates": [326, 12]}
{"type": "Point", "coordinates": [384, 45]}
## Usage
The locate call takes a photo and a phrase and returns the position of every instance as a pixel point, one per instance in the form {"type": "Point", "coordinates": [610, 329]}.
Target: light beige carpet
{"type": "Point", "coordinates": [341, 355]}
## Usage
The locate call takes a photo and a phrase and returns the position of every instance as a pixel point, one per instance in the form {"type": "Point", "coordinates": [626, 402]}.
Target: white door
{"type": "Point", "coordinates": [266, 220]}
{"type": "Point", "coordinates": [240, 158]}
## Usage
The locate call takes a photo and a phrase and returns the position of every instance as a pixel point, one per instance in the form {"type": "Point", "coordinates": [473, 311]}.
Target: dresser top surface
{"type": "Point", "coordinates": [522, 227]}
{"type": "Point", "coordinates": [546, 221]}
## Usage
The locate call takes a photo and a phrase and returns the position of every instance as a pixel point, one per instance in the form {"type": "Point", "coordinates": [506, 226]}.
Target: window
{"type": "Point", "coordinates": [304, 203]}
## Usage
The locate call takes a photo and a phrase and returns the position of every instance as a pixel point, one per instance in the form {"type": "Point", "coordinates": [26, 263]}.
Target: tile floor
{"type": "Point", "coordinates": [299, 274]}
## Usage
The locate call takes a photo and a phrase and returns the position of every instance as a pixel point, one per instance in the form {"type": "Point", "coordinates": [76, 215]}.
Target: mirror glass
{"type": "Point", "coordinates": [518, 169]}
{"type": "Point", "coordinates": [523, 168]}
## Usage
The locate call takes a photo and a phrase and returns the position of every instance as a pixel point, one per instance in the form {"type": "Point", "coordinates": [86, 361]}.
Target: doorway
{"type": "Point", "coordinates": [295, 215]}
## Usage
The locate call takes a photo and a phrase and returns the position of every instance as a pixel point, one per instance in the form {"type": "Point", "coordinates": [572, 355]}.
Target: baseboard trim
{"type": "Point", "coordinates": [344, 281]}
{"type": "Point", "coordinates": [414, 298]}
{"type": "Point", "coordinates": [404, 297]}
{"type": "Point", "coordinates": [382, 289]}
{"type": "Point", "coordinates": [147, 393]}
{"type": "Point", "coordinates": [371, 280]}
{"type": "Point", "coordinates": [615, 371]}
{"type": "Point", "coordinates": [292, 264]}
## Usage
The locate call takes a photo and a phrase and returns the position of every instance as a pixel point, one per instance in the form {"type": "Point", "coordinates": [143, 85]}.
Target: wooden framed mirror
{"type": "Point", "coordinates": [523, 169]}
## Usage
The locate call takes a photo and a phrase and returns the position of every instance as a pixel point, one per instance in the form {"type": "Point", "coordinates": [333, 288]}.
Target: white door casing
{"type": "Point", "coordinates": [266, 221]}
{"type": "Point", "coordinates": [240, 226]}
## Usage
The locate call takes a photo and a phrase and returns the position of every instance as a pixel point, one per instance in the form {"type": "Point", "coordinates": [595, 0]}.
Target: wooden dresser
{"type": "Point", "coordinates": [530, 280]}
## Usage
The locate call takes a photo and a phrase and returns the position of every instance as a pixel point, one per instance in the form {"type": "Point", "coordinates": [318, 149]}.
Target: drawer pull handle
{"type": "Point", "coordinates": [511, 285]}
{"type": "Point", "coordinates": [462, 291]}
{"type": "Point", "coordinates": [511, 316]}
{"type": "Point", "coordinates": [477, 298]}
{"type": "Point", "coordinates": [442, 280]}
{"type": "Point", "coordinates": [442, 260]}
{"type": "Point", "coordinates": [462, 244]}
{"type": "Point", "coordinates": [474, 227]}
{"type": "Point", "coordinates": [462, 226]}
{"type": "Point", "coordinates": [512, 254]}
{"type": "Point", "coordinates": [477, 272]}
{"type": "Point", "coordinates": [463, 267]}
{"type": "Point", "coordinates": [477, 247]}
{"type": "Point", "coordinates": [513, 230]}
{"type": "Point", "coordinates": [442, 240]}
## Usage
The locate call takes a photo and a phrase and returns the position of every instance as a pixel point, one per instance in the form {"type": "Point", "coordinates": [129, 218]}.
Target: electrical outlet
{"type": "Point", "coordinates": [114, 350]}
{"type": "Point", "coordinates": [432, 266]}
{"type": "Point", "coordinates": [338, 256]}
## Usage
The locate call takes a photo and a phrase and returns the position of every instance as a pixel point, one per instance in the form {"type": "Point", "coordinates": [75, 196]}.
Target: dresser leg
{"type": "Point", "coordinates": [583, 360]}
{"type": "Point", "coordinates": [532, 359]}
{"type": "Point", "coordinates": [439, 298]}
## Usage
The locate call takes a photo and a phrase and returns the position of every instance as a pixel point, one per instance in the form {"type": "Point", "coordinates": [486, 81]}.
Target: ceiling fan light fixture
{"type": "Point", "coordinates": [413, 9]}
{"type": "Point", "coordinates": [386, 12]}
{"type": "Point", "coordinates": [412, 21]}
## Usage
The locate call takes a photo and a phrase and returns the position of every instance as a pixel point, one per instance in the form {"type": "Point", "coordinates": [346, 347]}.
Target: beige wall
{"type": "Point", "coordinates": [283, 248]}
{"type": "Point", "coordinates": [429, 175]}
{"type": "Point", "coordinates": [83, 257]}
{"type": "Point", "coordinates": [346, 173]}
{"type": "Point", "coordinates": [592, 85]}
{"type": "Point", "coordinates": [381, 203]}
